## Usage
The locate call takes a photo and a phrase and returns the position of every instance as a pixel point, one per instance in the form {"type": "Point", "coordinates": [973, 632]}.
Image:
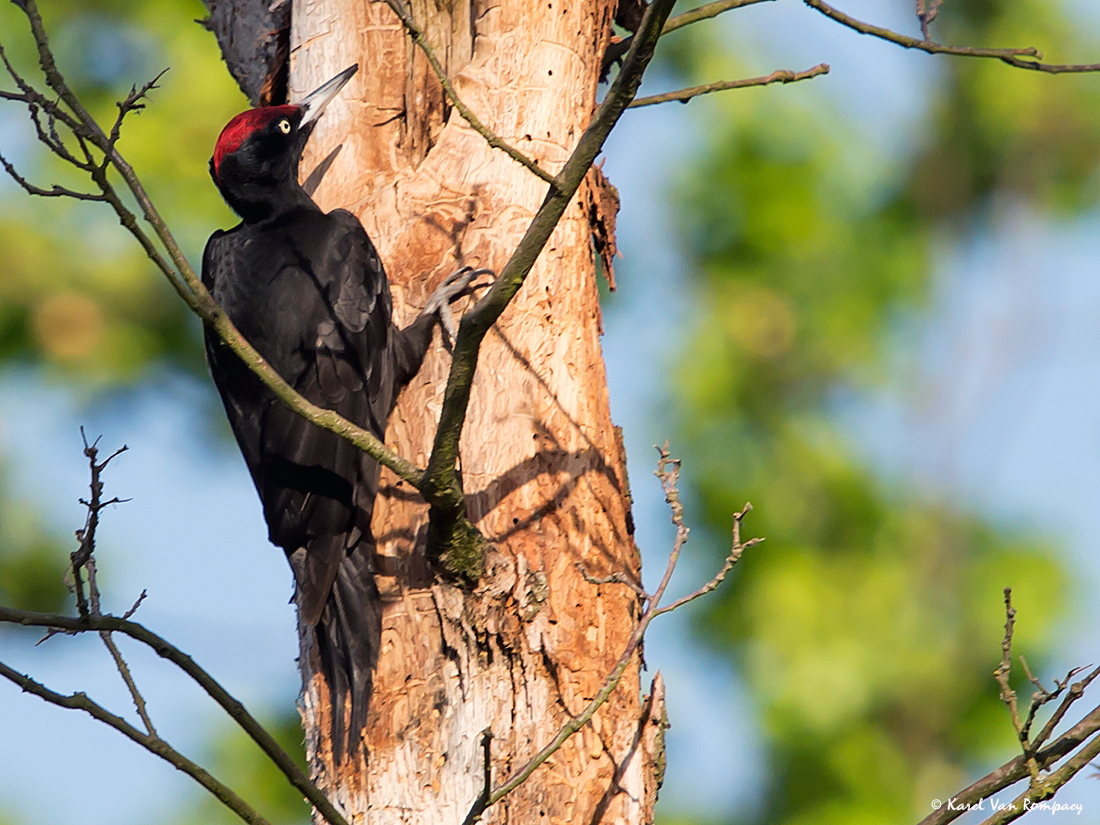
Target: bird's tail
{"type": "Point", "coordinates": [348, 636]}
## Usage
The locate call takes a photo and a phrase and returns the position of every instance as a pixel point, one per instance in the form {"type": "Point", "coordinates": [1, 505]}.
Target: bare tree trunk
{"type": "Point", "coordinates": [541, 463]}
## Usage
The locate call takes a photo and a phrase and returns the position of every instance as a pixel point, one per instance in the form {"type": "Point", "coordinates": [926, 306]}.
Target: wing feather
{"type": "Point", "coordinates": [316, 305]}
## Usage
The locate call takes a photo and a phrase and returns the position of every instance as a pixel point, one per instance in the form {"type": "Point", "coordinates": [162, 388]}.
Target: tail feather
{"type": "Point", "coordinates": [348, 636]}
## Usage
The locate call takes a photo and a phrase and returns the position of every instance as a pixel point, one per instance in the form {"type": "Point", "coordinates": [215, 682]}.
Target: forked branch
{"type": "Point", "coordinates": [668, 471]}
{"type": "Point", "coordinates": [1074, 749]}
{"type": "Point", "coordinates": [778, 76]}
{"type": "Point", "coordinates": [1014, 57]}
{"type": "Point", "coordinates": [151, 742]}
{"type": "Point", "coordinates": [92, 619]}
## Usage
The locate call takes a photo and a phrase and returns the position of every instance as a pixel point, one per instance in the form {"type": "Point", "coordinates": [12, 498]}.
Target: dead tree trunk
{"type": "Point", "coordinates": [541, 463]}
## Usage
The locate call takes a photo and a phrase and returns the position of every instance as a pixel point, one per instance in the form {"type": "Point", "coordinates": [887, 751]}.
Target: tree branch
{"type": "Point", "coordinates": [1014, 57]}
{"type": "Point", "coordinates": [152, 743]}
{"type": "Point", "coordinates": [166, 650]}
{"type": "Point", "coordinates": [54, 191]}
{"type": "Point", "coordinates": [705, 12]}
{"type": "Point", "coordinates": [684, 95]}
{"type": "Point", "coordinates": [442, 486]}
{"type": "Point", "coordinates": [92, 619]}
{"type": "Point", "coordinates": [1033, 761]}
{"type": "Point", "coordinates": [619, 47]}
{"type": "Point", "coordinates": [84, 559]}
{"type": "Point", "coordinates": [1002, 673]}
{"type": "Point", "coordinates": [86, 535]}
{"type": "Point", "coordinates": [128, 679]}
{"type": "Point", "coordinates": [1043, 789]}
{"type": "Point", "coordinates": [1075, 693]}
{"type": "Point", "coordinates": [614, 578]}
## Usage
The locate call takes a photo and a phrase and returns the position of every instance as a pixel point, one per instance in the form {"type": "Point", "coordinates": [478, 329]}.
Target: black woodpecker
{"type": "Point", "coordinates": [308, 290]}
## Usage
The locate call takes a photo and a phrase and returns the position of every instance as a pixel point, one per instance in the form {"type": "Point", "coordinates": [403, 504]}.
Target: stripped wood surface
{"type": "Point", "coordinates": [541, 464]}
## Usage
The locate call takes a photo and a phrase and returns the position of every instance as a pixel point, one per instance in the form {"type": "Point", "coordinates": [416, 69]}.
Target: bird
{"type": "Point", "coordinates": [308, 290]}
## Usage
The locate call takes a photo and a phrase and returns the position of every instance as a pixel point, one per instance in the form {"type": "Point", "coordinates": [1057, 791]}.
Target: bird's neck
{"type": "Point", "coordinates": [257, 204]}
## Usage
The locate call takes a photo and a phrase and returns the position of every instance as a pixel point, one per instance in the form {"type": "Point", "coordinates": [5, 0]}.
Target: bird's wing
{"type": "Point", "coordinates": [239, 389]}
{"type": "Point", "coordinates": [354, 343]}
{"type": "Point", "coordinates": [318, 309]}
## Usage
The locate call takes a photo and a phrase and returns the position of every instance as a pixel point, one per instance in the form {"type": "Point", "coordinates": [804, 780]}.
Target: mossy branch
{"type": "Point", "coordinates": [441, 475]}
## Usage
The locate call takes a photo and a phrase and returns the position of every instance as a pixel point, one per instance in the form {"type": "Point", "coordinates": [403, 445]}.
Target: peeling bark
{"type": "Point", "coordinates": [601, 199]}
{"type": "Point", "coordinates": [541, 464]}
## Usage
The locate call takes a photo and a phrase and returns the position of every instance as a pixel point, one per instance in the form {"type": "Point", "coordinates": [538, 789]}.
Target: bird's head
{"type": "Point", "coordinates": [255, 160]}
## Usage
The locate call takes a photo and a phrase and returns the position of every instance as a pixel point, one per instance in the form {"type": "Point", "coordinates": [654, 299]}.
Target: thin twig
{"type": "Point", "coordinates": [132, 103]}
{"type": "Point", "coordinates": [684, 95]}
{"type": "Point", "coordinates": [1004, 669]}
{"type": "Point", "coordinates": [1041, 696]}
{"type": "Point", "coordinates": [137, 604]}
{"type": "Point", "coordinates": [1076, 691]}
{"type": "Point", "coordinates": [1014, 57]}
{"type": "Point", "coordinates": [166, 650]}
{"type": "Point", "coordinates": [737, 549]}
{"type": "Point", "coordinates": [32, 97]}
{"type": "Point", "coordinates": [1008, 695]}
{"type": "Point", "coordinates": [927, 10]}
{"type": "Point", "coordinates": [668, 470]}
{"type": "Point", "coordinates": [152, 743]}
{"type": "Point", "coordinates": [55, 191]}
{"type": "Point", "coordinates": [705, 12]}
{"type": "Point", "coordinates": [84, 559]}
{"type": "Point", "coordinates": [908, 42]}
{"type": "Point", "coordinates": [86, 535]}
{"type": "Point", "coordinates": [494, 140]}
{"type": "Point", "coordinates": [131, 685]}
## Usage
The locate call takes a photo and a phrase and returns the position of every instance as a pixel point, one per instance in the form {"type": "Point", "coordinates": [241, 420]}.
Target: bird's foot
{"type": "Point", "coordinates": [454, 286]}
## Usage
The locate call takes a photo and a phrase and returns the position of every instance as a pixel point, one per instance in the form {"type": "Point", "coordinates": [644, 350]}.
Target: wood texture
{"type": "Point", "coordinates": [541, 464]}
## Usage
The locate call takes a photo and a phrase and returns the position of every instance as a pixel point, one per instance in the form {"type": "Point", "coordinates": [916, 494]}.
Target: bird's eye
{"type": "Point", "coordinates": [284, 126]}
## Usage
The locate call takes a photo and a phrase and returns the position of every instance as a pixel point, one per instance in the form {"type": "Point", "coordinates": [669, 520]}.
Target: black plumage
{"type": "Point", "coordinates": [307, 289]}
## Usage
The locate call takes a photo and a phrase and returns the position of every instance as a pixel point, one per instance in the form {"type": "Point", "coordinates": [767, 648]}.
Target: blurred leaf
{"type": "Point", "coordinates": [868, 625]}
{"type": "Point", "coordinates": [79, 296]}
{"type": "Point", "coordinates": [33, 559]}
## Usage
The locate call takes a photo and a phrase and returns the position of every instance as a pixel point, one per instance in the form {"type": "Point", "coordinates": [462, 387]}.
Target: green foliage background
{"type": "Point", "coordinates": [79, 301]}
{"type": "Point", "coordinates": [866, 629]}
{"type": "Point", "coordinates": [82, 306]}
{"type": "Point", "coordinates": [867, 626]}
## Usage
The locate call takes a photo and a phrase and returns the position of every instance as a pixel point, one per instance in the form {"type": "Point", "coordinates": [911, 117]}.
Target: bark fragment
{"type": "Point", "coordinates": [602, 203]}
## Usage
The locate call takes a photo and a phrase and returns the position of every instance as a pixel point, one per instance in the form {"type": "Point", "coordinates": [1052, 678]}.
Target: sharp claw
{"type": "Point", "coordinates": [454, 286]}
{"type": "Point", "coordinates": [447, 321]}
